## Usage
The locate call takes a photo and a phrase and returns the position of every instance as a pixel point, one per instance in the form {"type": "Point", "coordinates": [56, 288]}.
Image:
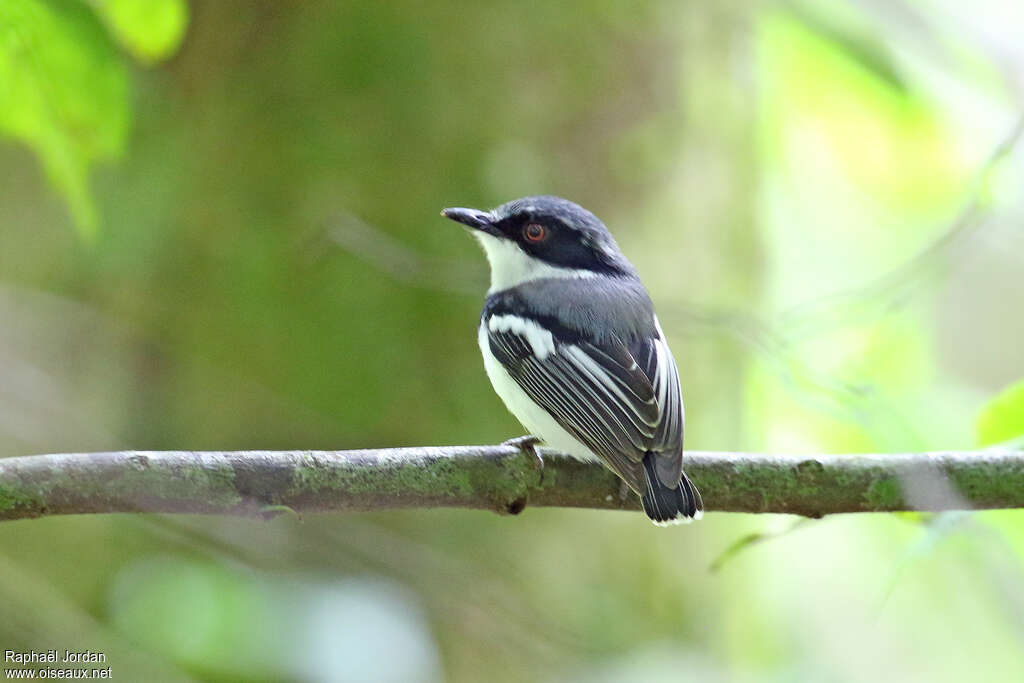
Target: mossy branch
{"type": "Point", "coordinates": [500, 478]}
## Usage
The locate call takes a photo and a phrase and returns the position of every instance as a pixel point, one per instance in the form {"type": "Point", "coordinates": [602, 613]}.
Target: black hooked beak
{"type": "Point", "coordinates": [478, 220]}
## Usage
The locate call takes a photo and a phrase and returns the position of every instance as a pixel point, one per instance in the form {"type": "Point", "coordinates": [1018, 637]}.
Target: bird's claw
{"type": "Point", "coordinates": [528, 444]}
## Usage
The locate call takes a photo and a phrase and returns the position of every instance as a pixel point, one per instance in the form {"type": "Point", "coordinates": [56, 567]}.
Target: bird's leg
{"type": "Point", "coordinates": [623, 490]}
{"type": "Point", "coordinates": [528, 444]}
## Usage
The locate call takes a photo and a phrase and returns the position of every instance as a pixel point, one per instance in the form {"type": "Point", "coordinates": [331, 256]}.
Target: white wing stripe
{"type": "Point", "coordinates": [618, 430]}
{"type": "Point", "coordinates": [539, 339]}
{"type": "Point", "coordinates": [585, 364]}
{"type": "Point", "coordinates": [584, 420]}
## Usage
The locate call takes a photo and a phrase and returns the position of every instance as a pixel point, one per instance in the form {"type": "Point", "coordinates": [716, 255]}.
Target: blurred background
{"type": "Point", "coordinates": [219, 230]}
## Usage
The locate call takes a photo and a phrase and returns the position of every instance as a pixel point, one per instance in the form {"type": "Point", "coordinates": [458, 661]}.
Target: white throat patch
{"type": "Point", "coordinates": [511, 266]}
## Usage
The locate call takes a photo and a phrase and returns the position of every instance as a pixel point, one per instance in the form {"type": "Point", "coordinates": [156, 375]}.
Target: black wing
{"type": "Point", "coordinates": [658, 365]}
{"type": "Point", "coordinates": [622, 402]}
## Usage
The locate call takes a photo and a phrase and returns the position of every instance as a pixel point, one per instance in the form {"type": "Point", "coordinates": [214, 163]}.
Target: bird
{"type": "Point", "coordinates": [572, 346]}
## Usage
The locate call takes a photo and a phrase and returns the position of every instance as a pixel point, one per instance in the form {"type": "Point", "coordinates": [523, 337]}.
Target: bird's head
{"type": "Point", "coordinates": [542, 237]}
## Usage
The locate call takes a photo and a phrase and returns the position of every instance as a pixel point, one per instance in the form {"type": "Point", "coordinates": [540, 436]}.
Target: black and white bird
{"type": "Point", "coordinates": [573, 347]}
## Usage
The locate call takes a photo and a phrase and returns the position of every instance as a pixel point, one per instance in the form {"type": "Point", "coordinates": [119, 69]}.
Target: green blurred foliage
{"type": "Point", "coordinates": [271, 272]}
{"type": "Point", "coordinates": [887, 140]}
{"type": "Point", "coordinates": [1002, 418]}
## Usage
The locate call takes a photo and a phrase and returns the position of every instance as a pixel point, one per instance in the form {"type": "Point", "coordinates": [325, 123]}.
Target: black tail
{"type": "Point", "coordinates": [666, 505]}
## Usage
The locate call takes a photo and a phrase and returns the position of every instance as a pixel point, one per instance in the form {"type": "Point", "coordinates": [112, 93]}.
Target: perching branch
{"type": "Point", "coordinates": [499, 478]}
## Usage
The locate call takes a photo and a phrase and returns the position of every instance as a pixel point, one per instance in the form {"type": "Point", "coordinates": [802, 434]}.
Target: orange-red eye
{"type": "Point", "coordinates": [534, 232]}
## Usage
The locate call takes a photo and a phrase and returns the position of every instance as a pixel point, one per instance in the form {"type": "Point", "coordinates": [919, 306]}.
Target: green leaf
{"type": "Point", "coordinates": [151, 30]}
{"type": "Point", "coordinates": [63, 92]}
{"type": "Point", "coordinates": [1002, 418]}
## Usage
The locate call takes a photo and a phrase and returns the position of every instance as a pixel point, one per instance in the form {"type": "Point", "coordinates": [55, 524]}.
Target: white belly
{"type": "Point", "coordinates": [536, 420]}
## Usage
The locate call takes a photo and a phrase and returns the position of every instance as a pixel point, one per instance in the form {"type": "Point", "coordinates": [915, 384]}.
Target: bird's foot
{"type": "Point", "coordinates": [528, 444]}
